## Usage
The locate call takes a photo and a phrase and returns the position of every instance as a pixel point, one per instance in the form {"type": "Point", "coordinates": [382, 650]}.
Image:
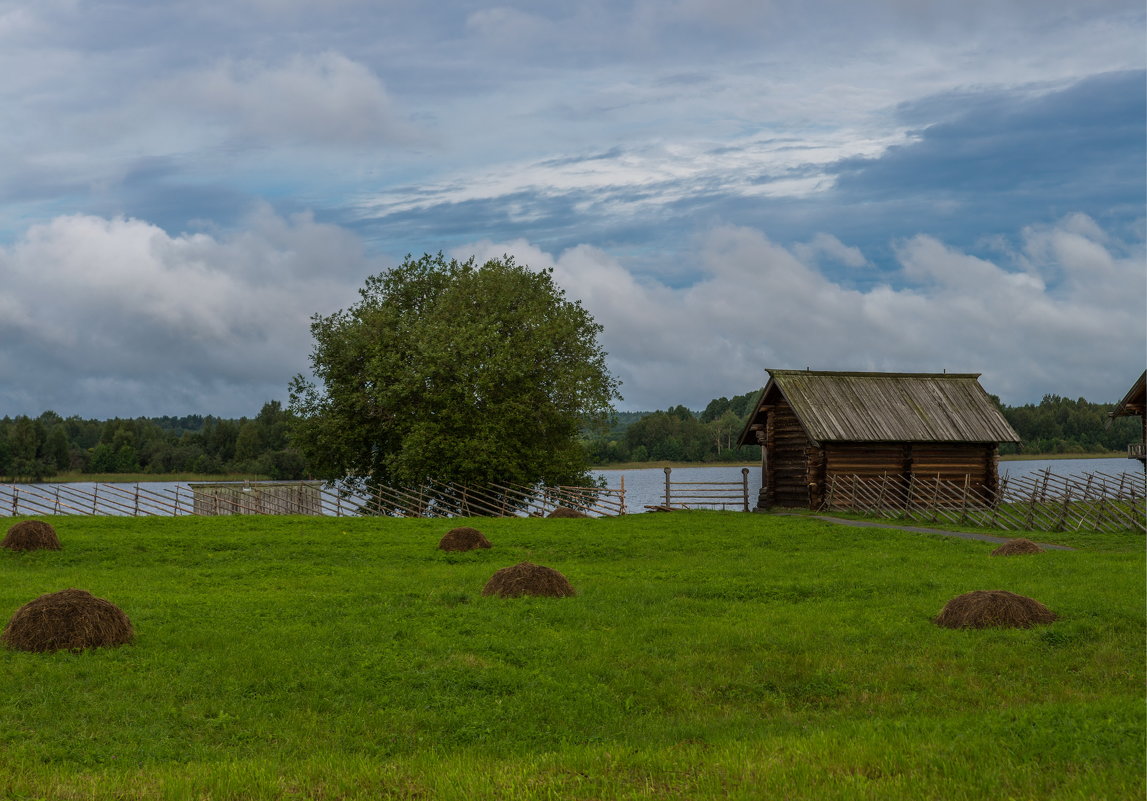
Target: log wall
{"type": "Point", "coordinates": [786, 477]}
{"type": "Point", "coordinates": [951, 461]}
{"type": "Point", "coordinates": [976, 464]}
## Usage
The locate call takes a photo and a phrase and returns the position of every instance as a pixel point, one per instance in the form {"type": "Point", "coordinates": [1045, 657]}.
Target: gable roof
{"type": "Point", "coordinates": [1133, 401]}
{"type": "Point", "coordinates": [890, 407]}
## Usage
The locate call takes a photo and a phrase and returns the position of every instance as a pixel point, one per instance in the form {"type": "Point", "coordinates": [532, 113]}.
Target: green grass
{"type": "Point", "coordinates": [707, 656]}
{"type": "Point", "coordinates": [1123, 541]}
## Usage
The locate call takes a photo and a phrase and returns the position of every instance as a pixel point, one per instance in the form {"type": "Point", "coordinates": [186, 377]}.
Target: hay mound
{"type": "Point", "coordinates": [1017, 547]}
{"type": "Point", "coordinates": [565, 511]}
{"type": "Point", "coordinates": [993, 609]}
{"type": "Point", "coordinates": [31, 535]}
{"type": "Point", "coordinates": [526, 578]}
{"type": "Point", "coordinates": [463, 538]}
{"type": "Point", "coordinates": [69, 619]}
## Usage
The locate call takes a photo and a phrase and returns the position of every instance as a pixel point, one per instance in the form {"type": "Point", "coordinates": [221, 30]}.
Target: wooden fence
{"type": "Point", "coordinates": [704, 494]}
{"type": "Point", "coordinates": [306, 498]}
{"type": "Point", "coordinates": [1043, 501]}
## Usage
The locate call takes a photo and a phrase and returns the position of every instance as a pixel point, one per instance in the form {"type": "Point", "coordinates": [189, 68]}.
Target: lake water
{"type": "Point", "coordinates": [646, 486]}
{"type": "Point", "coordinates": [643, 487]}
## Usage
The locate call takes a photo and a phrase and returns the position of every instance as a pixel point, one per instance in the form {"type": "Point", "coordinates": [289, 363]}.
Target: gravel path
{"type": "Point", "coordinates": [966, 535]}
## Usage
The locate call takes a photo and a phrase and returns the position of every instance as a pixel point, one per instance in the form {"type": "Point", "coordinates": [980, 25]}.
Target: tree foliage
{"type": "Point", "coordinates": [1062, 425]}
{"type": "Point", "coordinates": [39, 448]}
{"type": "Point", "coordinates": [453, 372]}
{"type": "Point", "coordinates": [677, 434]}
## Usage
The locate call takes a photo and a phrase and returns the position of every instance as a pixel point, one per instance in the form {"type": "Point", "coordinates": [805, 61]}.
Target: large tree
{"type": "Point", "coordinates": [452, 372]}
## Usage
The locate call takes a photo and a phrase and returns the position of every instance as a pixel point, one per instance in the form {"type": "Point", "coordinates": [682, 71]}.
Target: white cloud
{"type": "Point", "coordinates": [824, 245]}
{"type": "Point", "coordinates": [322, 99]}
{"type": "Point", "coordinates": [116, 317]}
{"type": "Point", "coordinates": [762, 306]}
{"type": "Point", "coordinates": [646, 178]}
{"type": "Point", "coordinates": [503, 26]}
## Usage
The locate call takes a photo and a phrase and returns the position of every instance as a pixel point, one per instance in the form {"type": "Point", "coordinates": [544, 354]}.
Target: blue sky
{"type": "Point", "coordinates": [727, 185]}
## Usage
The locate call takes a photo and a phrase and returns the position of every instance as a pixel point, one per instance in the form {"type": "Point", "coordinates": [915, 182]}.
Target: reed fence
{"type": "Point", "coordinates": [1043, 501]}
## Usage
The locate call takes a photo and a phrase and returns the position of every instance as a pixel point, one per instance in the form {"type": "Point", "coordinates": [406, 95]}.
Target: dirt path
{"type": "Point", "coordinates": [966, 535]}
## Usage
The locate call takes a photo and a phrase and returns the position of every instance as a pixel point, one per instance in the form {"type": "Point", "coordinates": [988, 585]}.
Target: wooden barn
{"type": "Point", "coordinates": [813, 425]}
{"type": "Point", "coordinates": [1135, 403]}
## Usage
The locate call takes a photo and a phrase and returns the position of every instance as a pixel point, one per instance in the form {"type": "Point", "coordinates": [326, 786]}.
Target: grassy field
{"type": "Point", "coordinates": [706, 656]}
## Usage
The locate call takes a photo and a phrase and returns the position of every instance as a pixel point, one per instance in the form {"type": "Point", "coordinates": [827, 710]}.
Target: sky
{"type": "Point", "coordinates": [726, 185]}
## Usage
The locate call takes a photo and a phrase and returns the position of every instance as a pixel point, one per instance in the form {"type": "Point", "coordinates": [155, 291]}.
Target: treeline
{"type": "Point", "coordinates": [1061, 425]}
{"type": "Point", "coordinates": [677, 435]}
{"type": "Point", "coordinates": [1055, 425]}
{"type": "Point", "coordinates": [36, 448]}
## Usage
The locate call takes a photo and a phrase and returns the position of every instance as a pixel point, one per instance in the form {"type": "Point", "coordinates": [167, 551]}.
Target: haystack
{"type": "Point", "coordinates": [463, 538]}
{"type": "Point", "coordinates": [526, 578]}
{"type": "Point", "coordinates": [1017, 547]}
{"type": "Point", "coordinates": [69, 619]}
{"type": "Point", "coordinates": [993, 609]}
{"type": "Point", "coordinates": [31, 535]}
{"type": "Point", "coordinates": [565, 511]}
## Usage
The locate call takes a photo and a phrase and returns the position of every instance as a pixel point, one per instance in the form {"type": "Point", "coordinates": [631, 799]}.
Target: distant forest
{"type": "Point", "coordinates": [36, 448]}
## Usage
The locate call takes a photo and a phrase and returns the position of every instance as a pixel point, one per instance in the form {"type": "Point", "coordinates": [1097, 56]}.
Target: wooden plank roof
{"type": "Point", "coordinates": [891, 407]}
{"type": "Point", "coordinates": [1134, 401]}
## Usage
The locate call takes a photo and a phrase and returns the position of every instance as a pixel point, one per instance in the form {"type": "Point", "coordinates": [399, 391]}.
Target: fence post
{"type": "Point", "coordinates": [623, 510]}
{"type": "Point", "coordinates": [745, 485]}
{"type": "Point", "coordinates": [936, 499]}
{"type": "Point", "coordinates": [668, 470]}
{"type": "Point", "coordinates": [1063, 513]}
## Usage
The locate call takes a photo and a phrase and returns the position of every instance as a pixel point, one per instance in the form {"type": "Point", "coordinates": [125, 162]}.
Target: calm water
{"type": "Point", "coordinates": [646, 486]}
{"type": "Point", "coordinates": [643, 487]}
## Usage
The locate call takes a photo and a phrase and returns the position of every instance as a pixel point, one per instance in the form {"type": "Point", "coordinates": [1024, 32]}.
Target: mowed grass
{"type": "Point", "coordinates": [706, 656]}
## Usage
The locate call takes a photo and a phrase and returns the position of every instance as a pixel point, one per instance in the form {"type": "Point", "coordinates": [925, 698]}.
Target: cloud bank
{"type": "Point", "coordinates": [760, 305]}
{"type": "Point", "coordinates": [114, 317]}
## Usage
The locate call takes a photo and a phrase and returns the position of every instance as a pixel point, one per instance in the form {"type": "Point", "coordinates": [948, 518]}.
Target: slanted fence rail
{"type": "Point", "coordinates": [1043, 501]}
{"type": "Point", "coordinates": [306, 498]}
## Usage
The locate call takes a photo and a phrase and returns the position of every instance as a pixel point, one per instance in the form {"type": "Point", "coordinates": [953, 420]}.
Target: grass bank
{"type": "Point", "coordinates": [662, 465]}
{"type": "Point", "coordinates": [1023, 457]}
{"type": "Point", "coordinates": [131, 478]}
{"type": "Point", "coordinates": [706, 656]}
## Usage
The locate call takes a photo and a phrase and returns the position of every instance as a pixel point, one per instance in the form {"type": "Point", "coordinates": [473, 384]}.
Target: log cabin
{"type": "Point", "coordinates": [1135, 403]}
{"type": "Point", "coordinates": [813, 425]}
